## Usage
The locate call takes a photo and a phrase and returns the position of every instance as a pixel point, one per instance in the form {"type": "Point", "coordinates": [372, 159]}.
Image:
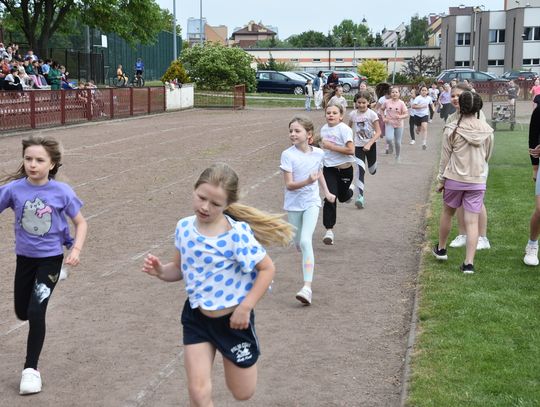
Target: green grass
{"type": "Point", "coordinates": [478, 340]}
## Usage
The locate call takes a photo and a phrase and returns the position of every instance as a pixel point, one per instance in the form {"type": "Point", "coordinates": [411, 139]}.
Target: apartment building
{"type": "Point", "coordinates": [492, 41]}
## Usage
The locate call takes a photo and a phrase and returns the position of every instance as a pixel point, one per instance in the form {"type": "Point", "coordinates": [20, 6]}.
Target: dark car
{"type": "Point", "coordinates": [520, 75]}
{"type": "Point", "coordinates": [281, 82]}
{"type": "Point", "coordinates": [471, 75]}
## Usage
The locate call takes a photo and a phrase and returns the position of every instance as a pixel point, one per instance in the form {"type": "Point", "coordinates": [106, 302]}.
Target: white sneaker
{"type": "Point", "coordinates": [531, 255]}
{"type": "Point", "coordinates": [64, 273]}
{"type": "Point", "coordinates": [459, 241]}
{"type": "Point", "coordinates": [304, 295]}
{"type": "Point", "coordinates": [328, 237]}
{"type": "Point", "coordinates": [30, 381]}
{"type": "Point", "coordinates": [483, 243]}
{"type": "Point", "coordinates": [412, 142]}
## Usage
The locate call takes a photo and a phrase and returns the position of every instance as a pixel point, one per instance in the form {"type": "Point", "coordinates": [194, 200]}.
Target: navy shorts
{"type": "Point", "coordinates": [419, 120]}
{"type": "Point", "coordinates": [240, 346]}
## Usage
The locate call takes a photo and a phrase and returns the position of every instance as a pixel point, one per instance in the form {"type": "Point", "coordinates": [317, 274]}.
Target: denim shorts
{"type": "Point", "coordinates": [240, 346]}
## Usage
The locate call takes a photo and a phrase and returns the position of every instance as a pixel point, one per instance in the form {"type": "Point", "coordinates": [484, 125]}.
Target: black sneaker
{"type": "Point", "coordinates": [440, 254]}
{"type": "Point", "coordinates": [467, 268]}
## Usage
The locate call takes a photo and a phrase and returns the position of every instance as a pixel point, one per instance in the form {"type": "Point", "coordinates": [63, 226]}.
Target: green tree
{"type": "Point", "coordinates": [217, 67]}
{"type": "Point", "coordinates": [416, 33]}
{"type": "Point", "coordinates": [374, 70]}
{"type": "Point", "coordinates": [420, 66]}
{"type": "Point", "coordinates": [175, 71]}
{"type": "Point", "coordinates": [272, 43]}
{"type": "Point", "coordinates": [38, 20]}
{"type": "Point", "coordinates": [273, 65]}
{"type": "Point", "coordinates": [309, 39]}
{"type": "Point", "coordinates": [347, 33]}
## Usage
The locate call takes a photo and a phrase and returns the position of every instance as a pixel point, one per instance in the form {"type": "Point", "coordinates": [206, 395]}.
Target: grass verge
{"type": "Point", "coordinates": [478, 341]}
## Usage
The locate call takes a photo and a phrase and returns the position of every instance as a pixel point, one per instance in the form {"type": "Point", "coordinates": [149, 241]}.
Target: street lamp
{"type": "Point", "coordinates": [476, 10]}
{"type": "Point", "coordinates": [201, 33]}
{"type": "Point", "coordinates": [395, 58]}
{"type": "Point", "coordinates": [354, 54]}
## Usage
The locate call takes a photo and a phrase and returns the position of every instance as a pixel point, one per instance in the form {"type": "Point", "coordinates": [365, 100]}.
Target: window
{"type": "Point", "coordinates": [531, 34]}
{"type": "Point", "coordinates": [316, 59]}
{"type": "Point", "coordinates": [495, 62]}
{"type": "Point", "coordinates": [496, 36]}
{"type": "Point", "coordinates": [463, 38]}
{"type": "Point", "coordinates": [294, 59]}
{"type": "Point", "coordinates": [462, 63]}
{"type": "Point", "coordinates": [339, 59]}
{"type": "Point", "coordinates": [531, 61]}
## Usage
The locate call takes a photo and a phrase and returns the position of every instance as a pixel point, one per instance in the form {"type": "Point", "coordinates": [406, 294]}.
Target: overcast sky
{"type": "Point", "coordinates": [296, 16]}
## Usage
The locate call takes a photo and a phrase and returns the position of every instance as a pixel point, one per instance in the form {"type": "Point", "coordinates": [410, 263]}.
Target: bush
{"type": "Point", "coordinates": [375, 71]}
{"type": "Point", "coordinates": [400, 79]}
{"type": "Point", "coordinates": [175, 71]}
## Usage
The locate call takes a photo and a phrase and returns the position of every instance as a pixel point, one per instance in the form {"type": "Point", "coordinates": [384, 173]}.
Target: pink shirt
{"type": "Point", "coordinates": [394, 109]}
{"type": "Point", "coordinates": [535, 90]}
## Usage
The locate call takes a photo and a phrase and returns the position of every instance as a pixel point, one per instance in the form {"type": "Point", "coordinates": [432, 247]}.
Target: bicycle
{"type": "Point", "coordinates": [137, 81]}
{"type": "Point", "coordinates": [120, 81]}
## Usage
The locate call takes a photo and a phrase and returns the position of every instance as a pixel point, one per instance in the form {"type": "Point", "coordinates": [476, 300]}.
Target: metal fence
{"type": "Point", "coordinates": [48, 108]}
{"type": "Point", "coordinates": [233, 99]}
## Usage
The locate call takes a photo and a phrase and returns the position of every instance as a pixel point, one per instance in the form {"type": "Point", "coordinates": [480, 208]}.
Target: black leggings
{"type": "Point", "coordinates": [35, 279]}
{"type": "Point", "coordinates": [338, 182]}
{"type": "Point", "coordinates": [411, 127]}
{"type": "Point", "coordinates": [371, 157]}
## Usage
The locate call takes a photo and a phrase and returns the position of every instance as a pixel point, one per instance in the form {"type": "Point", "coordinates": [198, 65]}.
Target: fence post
{"type": "Point", "coordinates": [33, 110]}
{"type": "Point", "coordinates": [149, 100]}
{"type": "Point", "coordinates": [131, 101]}
{"type": "Point", "coordinates": [164, 92]}
{"type": "Point", "coordinates": [63, 107]}
{"type": "Point", "coordinates": [89, 104]}
{"type": "Point", "coordinates": [111, 101]}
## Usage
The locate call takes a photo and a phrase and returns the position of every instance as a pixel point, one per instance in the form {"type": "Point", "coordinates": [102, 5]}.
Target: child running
{"type": "Point", "coordinates": [467, 146]}
{"type": "Point", "coordinates": [220, 256]}
{"type": "Point", "coordinates": [41, 205]}
{"type": "Point", "coordinates": [365, 125]}
{"type": "Point", "coordinates": [421, 106]}
{"type": "Point", "coordinates": [394, 111]}
{"type": "Point", "coordinates": [302, 168]}
{"type": "Point", "coordinates": [412, 126]}
{"type": "Point", "coordinates": [338, 98]}
{"type": "Point", "coordinates": [338, 146]}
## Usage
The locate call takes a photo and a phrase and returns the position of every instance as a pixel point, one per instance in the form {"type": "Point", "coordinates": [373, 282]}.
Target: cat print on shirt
{"type": "Point", "coordinates": [37, 217]}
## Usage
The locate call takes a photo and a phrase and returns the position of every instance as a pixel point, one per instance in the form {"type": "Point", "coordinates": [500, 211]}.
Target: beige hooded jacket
{"type": "Point", "coordinates": [465, 152]}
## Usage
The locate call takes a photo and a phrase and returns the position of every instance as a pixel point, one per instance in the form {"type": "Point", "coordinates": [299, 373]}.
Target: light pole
{"type": "Point", "coordinates": [476, 10]}
{"type": "Point", "coordinates": [201, 24]}
{"type": "Point", "coordinates": [395, 58]}
{"type": "Point", "coordinates": [175, 52]}
{"type": "Point", "coordinates": [354, 54]}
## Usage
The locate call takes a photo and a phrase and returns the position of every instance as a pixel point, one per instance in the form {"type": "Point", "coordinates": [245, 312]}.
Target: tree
{"type": "Point", "coordinates": [375, 71]}
{"type": "Point", "coordinates": [38, 20]}
{"type": "Point", "coordinates": [175, 71]}
{"type": "Point", "coordinates": [347, 31]}
{"type": "Point", "coordinates": [273, 65]}
{"type": "Point", "coordinates": [217, 67]}
{"type": "Point", "coordinates": [416, 33]}
{"type": "Point", "coordinates": [310, 39]}
{"type": "Point", "coordinates": [421, 66]}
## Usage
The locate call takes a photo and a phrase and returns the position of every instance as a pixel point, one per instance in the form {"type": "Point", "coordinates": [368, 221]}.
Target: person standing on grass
{"type": "Point", "coordinates": [308, 92]}
{"type": "Point", "coordinates": [534, 91]}
{"type": "Point", "coordinates": [337, 144]}
{"type": "Point", "coordinates": [461, 239]}
{"type": "Point", "coordinates": [513, 92]}
{"type": "Point", "coordinates": [421, 106]}
{"type": "Point", "coordinates": [394, 111]}
{"type": "Point", "coordinates": [301, 165]}
{"type": "Point", "coordinates": [365, 125]}
{"type": "Point", "coordinates": [41, 205]}
{"type": "Point", "coordinates": [466, 148]}
{"type": "Point", "coordinates": [318, 84]}
{"type": "Point", "coordinates": [219, 255]}
{"type": "Point", "coordinates": [531, 250]}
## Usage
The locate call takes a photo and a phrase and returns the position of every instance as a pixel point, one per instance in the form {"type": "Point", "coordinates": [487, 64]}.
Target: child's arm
{"type": "Point", "coordinates": [266, 270]}
{"type": "Point", "coordinates": [291, 185]}
{"type": "Point", "coordinates": [446, 152]}
{"type": "Point", "coordinates": [330, 197]}
{"type": "Point", "coordinates": [81, 228]}
{"type": "Point", "coordinates": [376, 135]}
{"type": "Point", "coordinates": [167, 272]}
{"type": "Point", "coordinates": [348, 149]}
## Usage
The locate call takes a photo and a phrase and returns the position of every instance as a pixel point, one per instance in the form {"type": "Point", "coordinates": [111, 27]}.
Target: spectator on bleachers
{"type": "Point", "coordinates": [55, 76]}
{"type": "Point", "coordinates": [4, 71]}
{"type": "Point", "coordinates": [15, 53]}
{"type": "Point", "coordinates": [65, 81]}
{"type": "Point", "coordinates": [29, 70]}
{"type": "Point", "coordinates": [12, 80]}
{"type": "Point", "coordinates": [45, 67]}
{"type": "Point", "coordinates": [30, 54]}
{"type": "Point", "coordinates": [3, 51]}
{"type": "Point", "coordinates": [36, 65]}
{"type": "Point", "coordinates": [26, 81]}
{"type": "Point", "coordinates": [9, 53]}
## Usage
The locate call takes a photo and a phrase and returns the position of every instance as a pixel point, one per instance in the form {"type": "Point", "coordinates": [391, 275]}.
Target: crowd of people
{"type": "Point", "coordinates": [19, 73]}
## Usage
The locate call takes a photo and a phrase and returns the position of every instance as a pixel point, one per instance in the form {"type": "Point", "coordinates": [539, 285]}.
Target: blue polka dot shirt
{"type": "Point", "coordinates": [220, 270]}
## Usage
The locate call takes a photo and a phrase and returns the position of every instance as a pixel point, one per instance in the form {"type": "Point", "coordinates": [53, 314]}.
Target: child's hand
{"type": "Point", "coordinates": [328, 145]}
{"type": "Point", "coordinates": [330, 197]}
{"type": "Point", "coordinates": [240, 317]}
{"type": "Point", "coordinates": [152, 265]}
{"type": "Point", "coordinates": [314, 176]}
{"type": "Point", "coordinates": [367, 147]}
{"type": "Point", "coordinates": [73, 257]}
{"type": "Point", "coordinates": [440, 187]}
{"type": "Point", "coordinates": [535, 152]}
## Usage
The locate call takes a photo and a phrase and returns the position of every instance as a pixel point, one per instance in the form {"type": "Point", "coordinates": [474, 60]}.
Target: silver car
{"type": "Point", "coordinates": [348, 79]}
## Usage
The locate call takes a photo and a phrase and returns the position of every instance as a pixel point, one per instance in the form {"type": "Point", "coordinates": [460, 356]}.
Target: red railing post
{"type": "Point", "coordinates": [63, 108]}
{"type": "Point", "coordinates": [164, 93]}
{"type": "Point", "coordinates": [32, 110]}
{"type": "Point", "coordinates": [131, 101]}
{"type": "Point", "coordinates": [111, 102]}
{"type": "Point", "coordinates": [149, 100]}
{"type": "Point", "coordinates": [89, 104]}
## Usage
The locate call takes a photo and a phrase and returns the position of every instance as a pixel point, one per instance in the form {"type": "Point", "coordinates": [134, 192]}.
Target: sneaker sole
{"type": "Point", "coordinates": [303, 300]}
{"type": "Point", "coordinates": [530, 264]}
{"type": "Point", "coordinates": [359, 205]}
{"type": "Point", "coordinates": [328, 241]}
{"type": "Point", "coordinates": [439, 257]}
{"type": "Point", "coordinates": [468, 272]}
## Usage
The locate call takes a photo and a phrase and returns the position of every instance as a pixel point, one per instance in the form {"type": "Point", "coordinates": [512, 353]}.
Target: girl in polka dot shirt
{"type": "Point", "coordinates": [226, 271]}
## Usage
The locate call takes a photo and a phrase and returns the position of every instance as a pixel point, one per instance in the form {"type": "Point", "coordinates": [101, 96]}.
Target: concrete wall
{"type": "Point", "coordinates": [179, 98]}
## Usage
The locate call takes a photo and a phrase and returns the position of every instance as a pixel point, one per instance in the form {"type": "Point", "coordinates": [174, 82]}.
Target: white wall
{"type": "Point", "coordinates": [497, 20]}
{"type": "Point", "coordinates": [179, 98]}
{"type": "Point", "coordinates": [531, 17]}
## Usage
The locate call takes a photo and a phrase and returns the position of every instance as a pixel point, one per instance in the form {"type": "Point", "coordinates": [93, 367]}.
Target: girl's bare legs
{"type": "Point", "coordinates": [423, 133]}
{"type": "Point", "coordinates": [471, 227]}
{"type": "Point", "coordinates": [240, 381]}
{"type": "Point", "coordinates": [198, 361]}
{"type": "Point", "coordinates": [445, 225]}
{"type": "Point", "coordinates": [482, 221]}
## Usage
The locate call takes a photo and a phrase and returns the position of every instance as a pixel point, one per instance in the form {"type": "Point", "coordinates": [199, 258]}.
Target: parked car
{"type": "Point", "coordinates": [520, 75]}
{"type": "Point", "coordinates": [471, 75]}
{"type": "Point", "coordinates": [306, 75]}
{"type": "Point", "coordinates": [281, 82]}
{"type": "Point", "coordinates": [348, 79]}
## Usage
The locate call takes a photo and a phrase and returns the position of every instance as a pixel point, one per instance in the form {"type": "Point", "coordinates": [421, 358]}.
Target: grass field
{"type": "Point", "coordinates": [478, 340]}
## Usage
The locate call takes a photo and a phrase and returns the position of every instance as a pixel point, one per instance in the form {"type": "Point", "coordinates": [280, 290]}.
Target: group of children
{"type": "Point", "coordinates": [220, 250]}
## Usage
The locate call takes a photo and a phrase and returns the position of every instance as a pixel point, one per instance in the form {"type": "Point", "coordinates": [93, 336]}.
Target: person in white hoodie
{"type": "Point", "coordinates": [466, 148]}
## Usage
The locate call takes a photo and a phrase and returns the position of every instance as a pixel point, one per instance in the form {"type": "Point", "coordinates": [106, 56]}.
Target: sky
{"type": "Point", "coordinates": [296, 16]}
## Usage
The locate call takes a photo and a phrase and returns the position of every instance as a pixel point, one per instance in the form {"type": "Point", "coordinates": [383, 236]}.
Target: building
{"type": "Point", "coordinates": [210, 33]}
{"type": "Point", "coordinates": [390, 37]}
{"type": "Point", "coordinates": [493, 41]}
{"type": "Point", "coordinates": [252, 32]}
{"type": "Point", "coordinates": [434, 30]}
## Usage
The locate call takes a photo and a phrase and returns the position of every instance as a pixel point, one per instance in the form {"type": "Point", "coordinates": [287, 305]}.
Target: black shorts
{"type": "Point", "coordinates": [138, 72]}
{"type": "Point", "coordinates": [418, 120]}
{"type": "Point", "coordinates": [240, 346]}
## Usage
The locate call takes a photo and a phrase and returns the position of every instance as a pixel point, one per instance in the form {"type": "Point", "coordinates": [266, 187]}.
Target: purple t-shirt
{"type": "Point", "coordinates": [41, 227]}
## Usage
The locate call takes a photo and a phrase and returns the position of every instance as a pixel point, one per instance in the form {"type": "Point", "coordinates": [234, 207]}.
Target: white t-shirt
{"type": "Point", "coordinates": [421, 100]}
{"type": "Point", "coordinates": [362, 124]}
{"type": "Point", "coordinates": [301, 165]}
{"type": "Point", "coordinates": [338, 100]}
{"type": "Point", "coordinates": [340, 135]}
{"type": "Point", "coordinates": [433, 94]}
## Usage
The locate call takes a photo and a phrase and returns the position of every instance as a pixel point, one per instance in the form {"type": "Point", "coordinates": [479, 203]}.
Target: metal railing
{"type": "Point", "coordinates": [48, 108]}
{"type": "Point", "coordinates": [232, 99]}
